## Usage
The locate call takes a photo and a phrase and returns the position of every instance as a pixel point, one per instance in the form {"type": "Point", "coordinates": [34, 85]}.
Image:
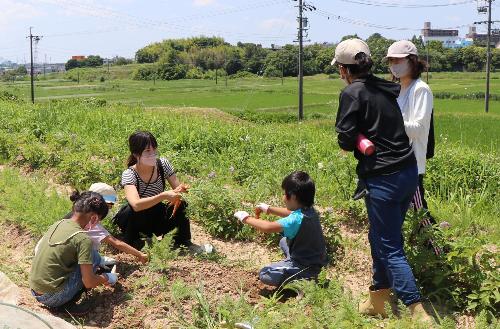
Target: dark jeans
{"type": "Point", "coordinates": [387, 204]}
{"type": "Point", "coordinates": [156, 220]}
{"type": "Point", "coordinates": [276, 274]}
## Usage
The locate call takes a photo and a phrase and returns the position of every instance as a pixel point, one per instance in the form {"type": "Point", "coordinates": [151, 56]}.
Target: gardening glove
{"type": "Point", "coordinates": [107, 261]}
{"type": "Point", "coordinates": [241, 215]}
{"type": "Point", "coordinates": [263, 207]}
{"type": "Point", "coordinates": [112, 278]}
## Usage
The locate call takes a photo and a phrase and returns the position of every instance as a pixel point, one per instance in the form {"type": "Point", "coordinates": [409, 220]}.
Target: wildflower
{"type": "Point", "coordinates": [231, 169]}
{"type": "Point", "coordinates": [444, 225]}
{"type": "Point", "coordinates": [212, 174]}
{"type": "Point", "coordinates": [321, 165]}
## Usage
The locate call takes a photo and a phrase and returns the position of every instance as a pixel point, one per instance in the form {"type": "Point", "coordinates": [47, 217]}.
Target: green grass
{"type": "Point", "coordinates": [266, 100]}
{"type": "Point", "coordinates": [30, 202]}
{"type": "Point", "coordinates": [84, 141]}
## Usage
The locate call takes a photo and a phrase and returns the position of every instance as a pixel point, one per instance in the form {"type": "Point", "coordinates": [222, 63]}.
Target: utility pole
{"type": "Point", "coordinates": [36, 38]}
{"type": "Point", "coordinates": [301, 64]}
{"type": "Point", "coordinates": [482, 9]}
{"type": "Point", "coordinates": [44, 63]}
{"type": "Point", "coordinates": [282, 72]}
{"type": "Point", "coordinates": [427, 59]}
{"type": "Point", "coordinates": [488, 61]}
{"type": "Point", "coordinates": [303, 27]}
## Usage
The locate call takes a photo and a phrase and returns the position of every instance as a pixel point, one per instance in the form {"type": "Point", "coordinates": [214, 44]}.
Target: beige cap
{"type": "Point", "coordinates": [401, 49]}
{"type": "Point", "coordinates": [348, 49]}
{"type": "Point", "coordinates": [107, 191]}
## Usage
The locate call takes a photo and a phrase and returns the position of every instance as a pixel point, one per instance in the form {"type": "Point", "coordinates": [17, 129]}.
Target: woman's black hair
{"type": "Point", "coordinates": [300, 184]}
{"type": "Point", "coordinates": [87, 202]}
{"type": "Point", "coordinates": [362, 67]}
{"type": "Point", "coordinates": [137, 143]}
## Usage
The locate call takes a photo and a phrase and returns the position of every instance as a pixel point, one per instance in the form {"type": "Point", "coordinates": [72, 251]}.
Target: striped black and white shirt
{"type": "Point", "coordinates": [130, 176]}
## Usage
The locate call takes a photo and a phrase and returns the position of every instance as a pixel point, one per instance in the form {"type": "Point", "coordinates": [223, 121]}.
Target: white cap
{"type": "Point", "coordinates": [401, 49]}
{"type": "Point", "coordinates": [348, 49]}
{"type": "Point", "coordinates": [107, 191]}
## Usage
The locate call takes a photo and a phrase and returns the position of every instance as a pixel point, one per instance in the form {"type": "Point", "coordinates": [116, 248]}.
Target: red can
{"type": "Point", "coordinates": [365, 145]}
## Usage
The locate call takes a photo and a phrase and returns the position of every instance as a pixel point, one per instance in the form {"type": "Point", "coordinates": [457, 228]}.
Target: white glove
{"type": "Point", "coordinates": [241, 215]}
{"type": "Point", "coordinates": [264, 207]}
{"type": "Point", "coordinates": [107, 261]}
{"type": "Point", "coordinates": [112, 278]}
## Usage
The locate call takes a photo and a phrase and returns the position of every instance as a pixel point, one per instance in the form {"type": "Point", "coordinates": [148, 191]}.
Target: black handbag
{"type": "Point", "coordinates": [123, 215]}
{"type": "Point", "coordinates": [431, 142]}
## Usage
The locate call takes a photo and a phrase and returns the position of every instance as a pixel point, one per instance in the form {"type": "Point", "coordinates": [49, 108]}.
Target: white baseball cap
{"type": "Point", "coordinates": [348, 49]}
{"type": "Point", "coordinates": [401, 49]}
{"type": "Point", "coordinates": [107, 192]}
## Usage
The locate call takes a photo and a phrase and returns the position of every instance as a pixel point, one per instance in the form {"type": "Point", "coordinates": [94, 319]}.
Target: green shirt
{"type": "Point", "coordinates": [62, 249]}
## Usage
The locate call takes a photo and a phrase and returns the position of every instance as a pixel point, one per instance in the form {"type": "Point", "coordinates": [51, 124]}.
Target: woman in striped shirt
{"type": "Point", "coordinates": [144, 182]}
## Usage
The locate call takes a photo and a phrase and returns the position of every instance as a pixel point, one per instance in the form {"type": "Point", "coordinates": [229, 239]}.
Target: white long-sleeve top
{"type": "Point", "coordinates": [416, 105]}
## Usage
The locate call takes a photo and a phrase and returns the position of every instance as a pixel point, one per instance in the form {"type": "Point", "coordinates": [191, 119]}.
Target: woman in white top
{"type": "Point", "coordinates": [416, 103]}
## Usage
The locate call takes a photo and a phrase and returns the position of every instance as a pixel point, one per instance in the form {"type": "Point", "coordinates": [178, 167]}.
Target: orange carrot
{"type": "Point", "coordinates": [176, 204]}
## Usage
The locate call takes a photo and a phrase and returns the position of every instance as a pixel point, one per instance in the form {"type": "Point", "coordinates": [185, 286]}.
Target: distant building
{"type": "Point", "coordinates": [483, 37]}
{"type": "Point", "coordinates": [78, 57]}
{"type": "Point", "coordinates": [449, 38]}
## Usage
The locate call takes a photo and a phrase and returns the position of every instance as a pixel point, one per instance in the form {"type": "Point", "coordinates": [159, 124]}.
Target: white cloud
{"type": "Point", "coordinates": [12, 11]}
{"type": "Point", "coordinates": [454, 19]}
{"type": "Point", "coordinates": [275, 24]}
{"type": "Point", "coordinates": [203, 3]}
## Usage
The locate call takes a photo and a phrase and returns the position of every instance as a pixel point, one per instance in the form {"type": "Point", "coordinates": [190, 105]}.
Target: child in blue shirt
{"type": "Point", "coordinates": [303, 242]}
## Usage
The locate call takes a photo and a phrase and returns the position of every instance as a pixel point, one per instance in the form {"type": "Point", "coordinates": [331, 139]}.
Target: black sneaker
{"type": "Point", "coordinates": [77, 308]}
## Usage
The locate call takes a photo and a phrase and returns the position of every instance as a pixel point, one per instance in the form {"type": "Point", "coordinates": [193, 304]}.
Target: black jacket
{"type": "Point", "coordinates": [369, 106]}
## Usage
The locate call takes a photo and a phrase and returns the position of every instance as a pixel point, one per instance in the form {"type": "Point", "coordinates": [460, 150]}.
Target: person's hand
{"type": "Point", "coordinates": [241, 215]}
{"type": "Point", "coordinates": [261, 208]}
{"type": "Point", "coordinates": [112, 278]}
{"type": "Point", "coordinates": [171, 196]}
{"type": "Point", "coordinates": [182, 188]}
{"type": "Point", "coordinates": [143, 258]}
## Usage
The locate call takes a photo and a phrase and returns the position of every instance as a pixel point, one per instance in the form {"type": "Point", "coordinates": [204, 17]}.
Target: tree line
{"type": "Point", "coordinates": [201, 57]}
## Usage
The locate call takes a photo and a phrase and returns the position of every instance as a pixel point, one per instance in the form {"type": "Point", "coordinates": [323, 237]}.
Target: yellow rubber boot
{"type": "Point", "coordinates": [418, 313]}
{"type": "Point", "coordinates": [375, 304]}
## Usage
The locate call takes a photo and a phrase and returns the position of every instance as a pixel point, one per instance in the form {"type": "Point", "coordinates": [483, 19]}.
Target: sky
{"type": "Point", "coordinates": [120, 27]}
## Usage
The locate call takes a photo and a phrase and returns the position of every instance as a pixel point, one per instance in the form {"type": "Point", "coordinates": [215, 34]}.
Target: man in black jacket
{"type": "Point", "coordinates": [368, 106]}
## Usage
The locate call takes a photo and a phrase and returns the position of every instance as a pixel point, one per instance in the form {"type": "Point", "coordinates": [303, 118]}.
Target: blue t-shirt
{"type": "Point", "coordinates": [291, 224]}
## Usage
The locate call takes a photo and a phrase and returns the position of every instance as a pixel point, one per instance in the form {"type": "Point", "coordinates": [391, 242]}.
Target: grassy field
{"type": "Point", "coordinates": [260, 99]}
{"type": "Point", "coordinates": [235, 147]}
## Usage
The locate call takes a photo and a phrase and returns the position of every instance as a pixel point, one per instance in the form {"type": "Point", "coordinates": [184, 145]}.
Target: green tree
{"type": "Point", "coordinates": [72, 64]}
{"type": "Point", "coordinates": [21, 70]}
{"type": "Point", "coordinates": [378, 47]}
{"type": "Point", "coordinates": [122, 61]}
{"type": "Point", "coordinates": [93, 61]}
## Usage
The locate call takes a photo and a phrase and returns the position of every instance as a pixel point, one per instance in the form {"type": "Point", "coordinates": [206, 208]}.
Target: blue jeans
{"type": "Point", "coordinates": [72, 286]}
{"type": "Point", "coordinates": [276, 274]}
{"type": "Point", "coordinates": [387, 202]}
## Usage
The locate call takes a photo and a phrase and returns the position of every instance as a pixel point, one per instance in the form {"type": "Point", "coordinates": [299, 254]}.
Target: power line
{"type": "Point", "coordinates": [358, 22]}
{"type": "Point", "coordinates": [102, 12]}
{"type": "Point", "coordinates": [402, 5]}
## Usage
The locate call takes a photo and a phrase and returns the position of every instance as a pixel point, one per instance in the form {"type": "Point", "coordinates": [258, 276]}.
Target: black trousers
{"type": "Point", "coordinates": [156, 220]}
{"type": "Point", "coordinates": [419, 202]}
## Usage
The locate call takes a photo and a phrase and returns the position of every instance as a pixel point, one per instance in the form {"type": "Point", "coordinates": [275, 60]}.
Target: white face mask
{"type": "Point", "coordinates": [148, 161]}
{"type": "Point", "coordinates": [89, 225]}
{"type": "Point", "coordinates": [400, 70]}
